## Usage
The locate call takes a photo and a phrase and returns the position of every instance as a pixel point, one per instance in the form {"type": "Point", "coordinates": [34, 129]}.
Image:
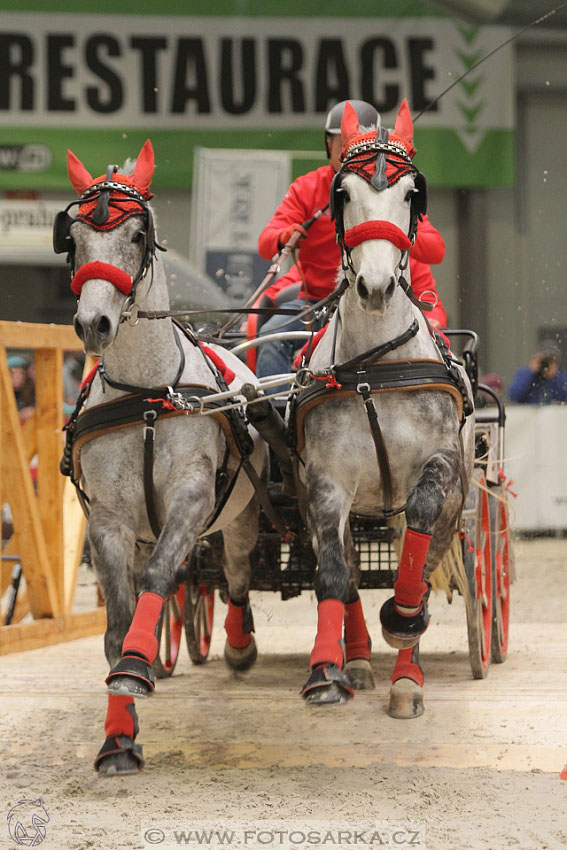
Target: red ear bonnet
{"type": "Point", "coordinates": [78, 174]}
{"type": "Point", "coordinates": [404, 125]}
{"type": "Point", "coordinates": [144, 171]}
{"type": "Point", "coordinates": [349, 124]}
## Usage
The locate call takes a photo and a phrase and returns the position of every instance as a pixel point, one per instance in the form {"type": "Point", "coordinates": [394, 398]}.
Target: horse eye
{"type": "Point", "coordinates": [138, 236]}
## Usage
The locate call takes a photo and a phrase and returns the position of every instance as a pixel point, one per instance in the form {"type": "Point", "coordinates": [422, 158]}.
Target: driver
{"type": "Point", "coordinates": [319, 255]}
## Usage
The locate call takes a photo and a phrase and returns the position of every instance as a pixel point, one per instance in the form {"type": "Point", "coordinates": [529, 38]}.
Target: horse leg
{"type": "Point", "coordinates": [239, 539]}
{"type": "Point", "coordinates": [112, 548]}
{"type": "Point", "coordinates": [191, 503]}
{"type": "Point", "coordinates": [357, 639]}
{"type": "Point", "coordinates": [328, 511]}
{"type": "Point", "coordinates": [405, 617]}
{"type": "Point", "coordinates": [406, 693]}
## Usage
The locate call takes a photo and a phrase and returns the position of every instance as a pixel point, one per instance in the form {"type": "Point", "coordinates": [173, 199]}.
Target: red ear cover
{"type": "Point", "coordinates": [144, 171]}
{"type": "Point", "coordinates": [78, 174]}
{"type": "Point", "coordinates": [349, 124]}
{"type": "Point", "coordinates": [404, 125]}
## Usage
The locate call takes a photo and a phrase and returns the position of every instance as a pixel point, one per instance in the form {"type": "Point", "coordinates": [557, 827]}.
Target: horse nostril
{"type": "Point", "coordinates": [391, 287]}
{"type": "Point", "coordinates": [361, 288]}
{"type": "Point", "coordinates": [103, 327]}
{"type": "Point", "coordinates": [79, 330]}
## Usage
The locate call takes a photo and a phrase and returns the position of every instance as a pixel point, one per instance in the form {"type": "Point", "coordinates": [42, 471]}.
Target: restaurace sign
{"type": "Point", "coordinates": [141, 70]}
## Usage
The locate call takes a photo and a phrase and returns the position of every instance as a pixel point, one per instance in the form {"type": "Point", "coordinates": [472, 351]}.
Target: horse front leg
{"type": "Point", "coordinates": [112, 548]}
{"type": "Point", "coordinates": [327, 513]}
{"type": "Point", "coordinates": [405, 617]}
{"type": "Point", "coordinates": [191, 502]}
{"type": "Point", "coordinates": [239, 540]}
{"type": "Point", "coordinates": [357, 639]}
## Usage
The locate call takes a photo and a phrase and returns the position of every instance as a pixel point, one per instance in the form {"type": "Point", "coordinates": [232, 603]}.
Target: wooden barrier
{"type": "Point", "coordinates": [48, 523]}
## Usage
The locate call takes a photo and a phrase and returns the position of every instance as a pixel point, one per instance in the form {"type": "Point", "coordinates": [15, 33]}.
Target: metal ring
{"type": "Point", "coordinates": [132, 316]}
{"type": "Point", "coordinates": [429, 292]}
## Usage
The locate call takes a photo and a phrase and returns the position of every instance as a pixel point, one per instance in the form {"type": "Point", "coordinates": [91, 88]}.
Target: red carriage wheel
{"type": "Point", "coordinates": [478, 568]}
{"type": "Point", "coordinates": [168, 633]}
{"type": "Point", "coordinates": [501, 567]}
{"type": "Point", "coordinates": [198, 619]}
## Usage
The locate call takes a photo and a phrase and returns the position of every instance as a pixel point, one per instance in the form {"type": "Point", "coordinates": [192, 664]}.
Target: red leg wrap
{"type": "Point", "coordinates": [327, 648]}
{"type": "Point", "coordinates": [406, 668]}
{"type": "Point", "coordinates": [234, 625]}
{"type": "Point", "coordinates": [409, 586]}
{"type": "Point", "coordinates": [141, 634]}
{"type": "Point", "coordinates": [121, 717]}
{"type": "Point", "coordinates": [357, 639]}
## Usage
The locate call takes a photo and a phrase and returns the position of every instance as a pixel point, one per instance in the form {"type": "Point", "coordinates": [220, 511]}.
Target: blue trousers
{"type": "Point", "coordinates": [275, 358]}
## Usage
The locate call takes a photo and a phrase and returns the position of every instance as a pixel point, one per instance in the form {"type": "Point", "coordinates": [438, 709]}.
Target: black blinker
{"type": "Point", "coordinates": [62, 241]}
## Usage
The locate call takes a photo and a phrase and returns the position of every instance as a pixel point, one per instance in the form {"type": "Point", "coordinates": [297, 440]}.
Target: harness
{"type": "Point", "coordinates": [381, 160]}
{"type": "Point", "coordinates": [103, 206]}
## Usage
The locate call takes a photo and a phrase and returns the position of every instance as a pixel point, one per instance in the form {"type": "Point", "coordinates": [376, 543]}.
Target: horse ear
{"type": "Point", "coordinates": [144, 170]}
{"type": "Point", "coordinates": [78, 174]}
{"type": "Point", "coordinates": [349, 124]}
{"type": "Point", "coordinates": [404, 124]}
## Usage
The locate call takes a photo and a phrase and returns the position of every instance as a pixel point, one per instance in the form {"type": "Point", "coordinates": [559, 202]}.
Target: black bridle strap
{"type": "Point", "coordinates": [131, 388]}
{"type": "Point", "coordinates": [380, 350]}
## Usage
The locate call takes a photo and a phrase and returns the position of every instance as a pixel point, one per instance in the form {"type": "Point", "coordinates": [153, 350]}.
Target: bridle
{"type": "Point", "coordinates": [381, 161]}
{"type": "Point", "coordinates": [100, 199]}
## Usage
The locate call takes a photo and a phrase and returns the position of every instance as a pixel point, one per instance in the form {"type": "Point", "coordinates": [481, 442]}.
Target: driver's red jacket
{"type": "Point", "coordinates": [319, 254]}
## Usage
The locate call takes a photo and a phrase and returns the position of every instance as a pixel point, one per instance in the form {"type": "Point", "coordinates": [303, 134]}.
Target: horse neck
{"type": "Point", "coordinates": [359, 331]}
{"type": "Point", "coordinates": [146, 354]}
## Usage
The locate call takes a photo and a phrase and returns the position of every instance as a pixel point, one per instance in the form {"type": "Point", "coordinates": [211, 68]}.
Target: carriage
{"type": "Point", "coordinates": [480, 565]}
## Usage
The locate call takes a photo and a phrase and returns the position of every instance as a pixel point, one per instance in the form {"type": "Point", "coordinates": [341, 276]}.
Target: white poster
{"type": "Point", "coordinates": [235, 195]}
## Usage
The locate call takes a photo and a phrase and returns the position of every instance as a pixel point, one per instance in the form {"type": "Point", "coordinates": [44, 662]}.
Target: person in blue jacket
{"type": "Point", "coordinates": [542, 382]}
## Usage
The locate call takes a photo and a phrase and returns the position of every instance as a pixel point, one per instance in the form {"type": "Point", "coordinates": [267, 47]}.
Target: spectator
{"type": "Point", "coordinates": [24, 387]}
{"type": "Point", "coordinates": [542, 382]}
{"type": "Point", "coordinates": [494, 381]}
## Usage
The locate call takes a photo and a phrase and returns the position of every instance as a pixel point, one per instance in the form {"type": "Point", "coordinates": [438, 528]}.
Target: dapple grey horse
{"type": "Point", "coordinates": [112, 242]}
{"type": "Point", "coordinates": [427, 442]}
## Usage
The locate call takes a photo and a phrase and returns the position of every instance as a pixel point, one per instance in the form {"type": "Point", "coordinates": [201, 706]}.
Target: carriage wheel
{"type": "Point", "coordinates": [501, 565]}
{"type": "Point", "coordinates": [478, 568]}
{"type": "Point", "coordinates": [198, 619]}
{"type": "Point", "coordinates": [168, 633]}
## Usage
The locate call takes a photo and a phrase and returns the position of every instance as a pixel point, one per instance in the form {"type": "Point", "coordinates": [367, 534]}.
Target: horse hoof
{"type": "Point", "coordinates": [240, 659]}
{"type": "Point", "coordinates": [119, 755]}
{"type": "Point", "coordinates": [398, 642]}
{"type": "Point", "coordinates": [327, 685]}
{"type": "Point", "coordinates": [403, 632]}
{"type": "Point", "coordinates": [119, 765]}
{"type": "Point", "coordinates": [331, 694]}
{"type": "Point", "coordinates": [406, 700]}
{"type": "Point", "coordinates": [126, 686]}
{"type": "Point", "coordinates": [360, 674]}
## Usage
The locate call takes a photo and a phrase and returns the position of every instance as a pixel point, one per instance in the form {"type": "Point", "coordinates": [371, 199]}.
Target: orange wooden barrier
{"type": "Point", "coordinates": [48, 522]}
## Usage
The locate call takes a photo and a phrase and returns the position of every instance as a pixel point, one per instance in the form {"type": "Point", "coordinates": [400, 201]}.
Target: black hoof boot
{"type": "Point", "coordinates": [132, 677]}
{"type": "Point", "coordinates": [403, 632]}
{"type": "Point", "coordinates": [119, 755]}
{"type": "Point", "coordinates": [327, 685]}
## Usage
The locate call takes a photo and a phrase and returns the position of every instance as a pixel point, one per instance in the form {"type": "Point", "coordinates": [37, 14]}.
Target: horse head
{"type": "Point", "coordinates": [110, 243]}
{"type": "Point", "coordinates": [375, 200]}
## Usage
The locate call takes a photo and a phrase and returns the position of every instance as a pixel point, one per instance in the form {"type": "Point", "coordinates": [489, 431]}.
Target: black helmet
{"type": "Point", "coordinates": [368, 116]}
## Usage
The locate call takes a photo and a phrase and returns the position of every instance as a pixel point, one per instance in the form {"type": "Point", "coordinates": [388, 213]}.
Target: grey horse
{"type": "Point", "coordinates": [113, 244]}
{"type": "Point", "coordinates": [428, 442]}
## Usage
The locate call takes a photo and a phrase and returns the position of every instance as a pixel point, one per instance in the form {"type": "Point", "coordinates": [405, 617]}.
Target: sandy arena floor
{"type": "Point", "coordinates": [479, 770]}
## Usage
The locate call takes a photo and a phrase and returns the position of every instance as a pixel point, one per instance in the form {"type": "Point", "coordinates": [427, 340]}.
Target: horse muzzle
{"type": "Point", "coordinates": [95, 332]}
{"type": "Point", "coordinates": [374, 297]}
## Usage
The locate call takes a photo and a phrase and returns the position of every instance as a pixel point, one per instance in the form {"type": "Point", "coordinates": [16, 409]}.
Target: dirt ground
{"type": "Point", "coordinates": [243, 753]}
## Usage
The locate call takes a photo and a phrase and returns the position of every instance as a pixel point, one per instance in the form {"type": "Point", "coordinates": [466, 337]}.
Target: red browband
{"type": "Point", "coordinates": [377, 230]}
{"type": "Point", "coordinates": [102, 271]}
